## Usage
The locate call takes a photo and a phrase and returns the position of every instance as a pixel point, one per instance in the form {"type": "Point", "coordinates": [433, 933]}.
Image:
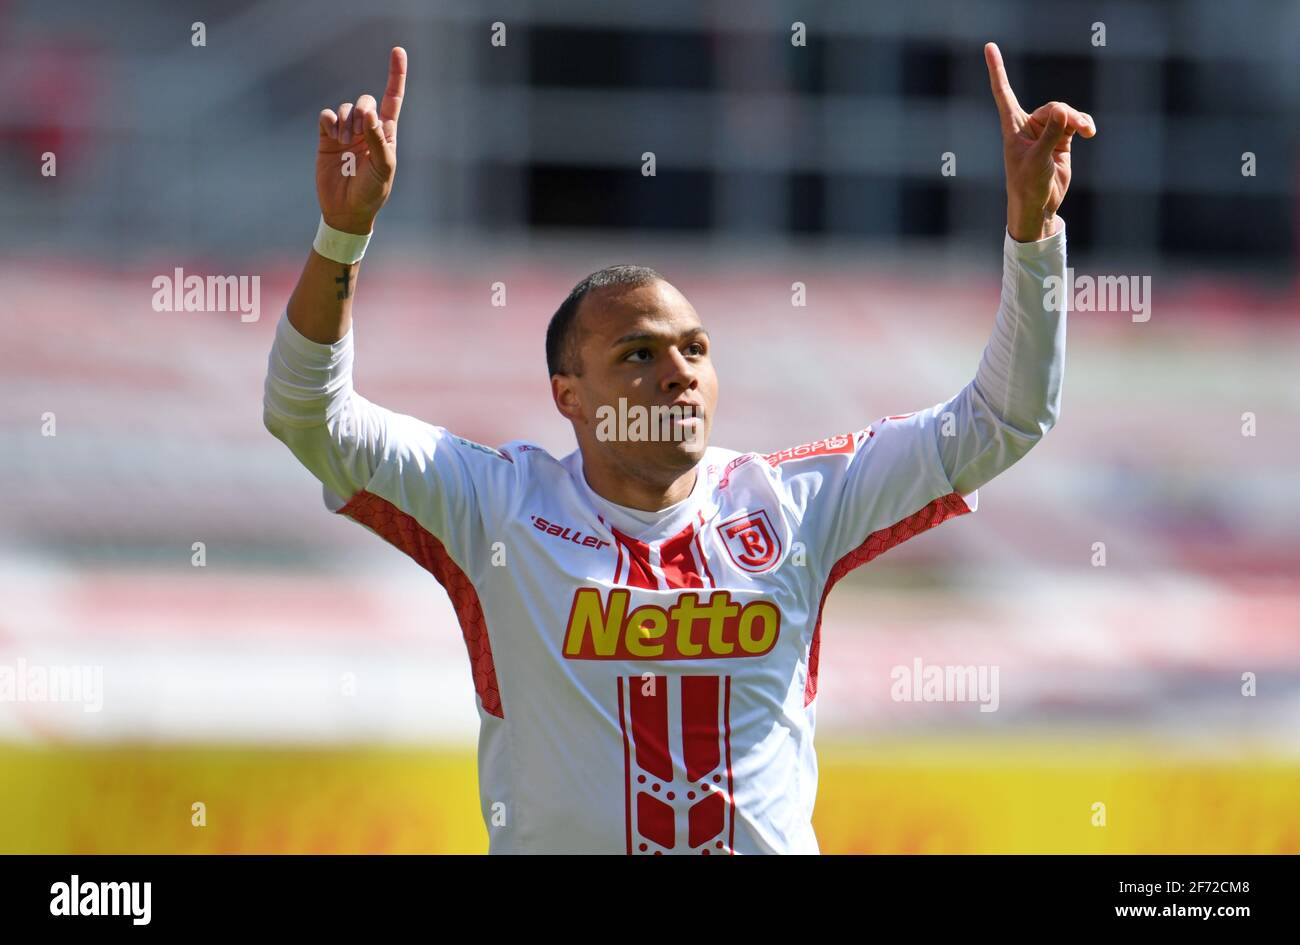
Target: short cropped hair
{"type": "Point", "coordinates": [562, 355]}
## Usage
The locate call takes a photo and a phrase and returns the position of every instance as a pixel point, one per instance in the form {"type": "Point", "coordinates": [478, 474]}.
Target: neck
{"type": "Point", "coordinates": [630, 488]}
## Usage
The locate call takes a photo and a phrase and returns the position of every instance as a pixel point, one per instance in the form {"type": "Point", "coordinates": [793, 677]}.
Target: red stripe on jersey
{"type": "Point", "coordinates": [677, 559]}
{"type": "Point", "coordinates": [700, 749]}
{"type": "Point", "coordinates": [618, 563]}
{"type": "Point", "coordinates": [658, 794]}
{"type": "Point", "coordinates": [877, 543]}
{"type": "Point", "coordinates": [627, 769]}
{"type": "Point", "coordinates": [731, 788]}
{"type": "Point", "coordinates": [650, 728]}
{"type": "Point", "coordinates": [699, 549]}
{"type": "Point", "coordinates": [639, 572]}
{"type": "Point", "coordinates": [406, 534]}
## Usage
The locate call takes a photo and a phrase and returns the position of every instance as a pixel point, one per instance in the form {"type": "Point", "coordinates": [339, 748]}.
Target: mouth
{"type": "Point", "coordinates": [687, 427]}
{"type": "Point", "coordinates": [688, 418]}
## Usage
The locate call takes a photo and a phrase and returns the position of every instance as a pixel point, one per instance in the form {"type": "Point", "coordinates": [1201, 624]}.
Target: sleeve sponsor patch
{"type": "Point", "coordinates": [840, 443]}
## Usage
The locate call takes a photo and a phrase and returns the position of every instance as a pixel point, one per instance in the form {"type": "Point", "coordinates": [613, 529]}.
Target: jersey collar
{"type": "Point", "coordinates": [639, 523]}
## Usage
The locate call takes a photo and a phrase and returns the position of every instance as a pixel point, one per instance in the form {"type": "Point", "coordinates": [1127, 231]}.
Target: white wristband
{"type": "Point", "coordinates": [346, 248]}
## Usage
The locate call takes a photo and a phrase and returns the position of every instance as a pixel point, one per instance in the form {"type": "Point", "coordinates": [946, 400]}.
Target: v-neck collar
{"type": "Point", "coordinates": [643, 524]}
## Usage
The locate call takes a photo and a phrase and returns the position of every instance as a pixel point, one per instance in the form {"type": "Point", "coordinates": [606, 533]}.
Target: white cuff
{"type": "Point", "coordinates": [1035, 248]}
{"type": "Point", "coordinates": [346, 248]}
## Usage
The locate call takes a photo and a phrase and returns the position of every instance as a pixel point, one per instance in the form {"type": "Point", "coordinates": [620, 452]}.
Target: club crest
{"type": "Point", "coordinates": [751, 541]}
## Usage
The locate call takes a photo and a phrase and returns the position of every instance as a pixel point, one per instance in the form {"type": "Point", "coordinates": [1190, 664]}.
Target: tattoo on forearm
{"type": "Point", "coordinates": [346, 279]}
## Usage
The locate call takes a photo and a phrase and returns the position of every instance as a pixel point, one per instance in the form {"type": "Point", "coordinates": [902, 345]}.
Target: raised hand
{"type": "Point", "coordinates": [351, 202]}
{"type": "Point", "coordinates": [1036, 152]}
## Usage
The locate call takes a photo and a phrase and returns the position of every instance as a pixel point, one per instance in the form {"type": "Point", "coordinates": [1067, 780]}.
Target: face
{"type": "Point", "coordinates": [643, 346]}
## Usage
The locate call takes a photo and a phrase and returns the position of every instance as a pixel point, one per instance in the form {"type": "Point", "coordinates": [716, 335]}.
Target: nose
{"type": "Point", "coordinates": [679, 373]}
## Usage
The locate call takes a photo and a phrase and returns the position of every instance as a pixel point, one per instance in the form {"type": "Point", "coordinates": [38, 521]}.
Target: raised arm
{"type": "Point", "coordinates": [416, 484]}
{"type": "Point", "coordinates": [1015, 396]}
{"type": "Point", "coordinates": [1035, 154]}
{"type": "Point", "coordinates": [309, 403]}
{"type": "Point", "coordinates": [356, 162]}
{"type": "Point", "coordinates": [865, 492]}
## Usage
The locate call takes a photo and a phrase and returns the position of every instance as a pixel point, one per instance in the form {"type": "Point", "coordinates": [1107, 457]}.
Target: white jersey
{"type": "Point", "coordinates": [647, 681]}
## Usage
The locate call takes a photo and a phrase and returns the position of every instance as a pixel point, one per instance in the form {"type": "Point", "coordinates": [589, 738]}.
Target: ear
{"type": "Point", "coordinates": [565, 394]}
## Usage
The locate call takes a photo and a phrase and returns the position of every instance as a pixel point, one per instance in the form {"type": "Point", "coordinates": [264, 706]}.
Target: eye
{"type": "Point", "coordinates": [697, 347]}
{"type": "Point", "coordinates": [631, 356]}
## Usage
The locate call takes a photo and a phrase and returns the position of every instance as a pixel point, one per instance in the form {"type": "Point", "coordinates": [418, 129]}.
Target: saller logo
{"type": "Point", "coordinates": [568, 534]}
{"type": "Point", "coordinates": [688, 630]}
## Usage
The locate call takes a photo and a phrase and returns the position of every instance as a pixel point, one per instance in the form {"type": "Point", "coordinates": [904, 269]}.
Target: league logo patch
{"type": "Point", "coordinates": [751, 541]}
{"type": "Point", "coordinates": [499, 454]}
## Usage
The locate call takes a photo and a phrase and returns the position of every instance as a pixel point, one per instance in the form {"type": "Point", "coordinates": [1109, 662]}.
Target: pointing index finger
{"type": "Point", "coordinates": [1008, 108]}
{"type": "Point", "coordinates": [391, 106]}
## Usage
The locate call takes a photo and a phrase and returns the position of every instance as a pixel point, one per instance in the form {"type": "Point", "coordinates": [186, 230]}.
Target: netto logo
{"type": "Point", "coordinates": [688, 630]}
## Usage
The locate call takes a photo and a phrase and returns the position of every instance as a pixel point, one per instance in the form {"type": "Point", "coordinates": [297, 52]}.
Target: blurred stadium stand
{"type": "Point", "coordinates": [756, 139]}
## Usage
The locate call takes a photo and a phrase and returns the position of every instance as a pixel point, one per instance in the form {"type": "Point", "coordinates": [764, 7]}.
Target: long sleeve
{"type": "Point", "coordinates": [309, 404]}
{"type": "Point", "coordinates": [874, 487]}
{"type": "Point", "coordinates": [1015, 397]}
{"type": "Point", "coordinates": [409, 470]}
